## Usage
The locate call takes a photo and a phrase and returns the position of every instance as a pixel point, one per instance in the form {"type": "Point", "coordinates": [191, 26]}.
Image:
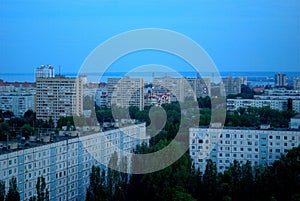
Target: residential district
{"type": "Point", "coordinates": [41, 139]}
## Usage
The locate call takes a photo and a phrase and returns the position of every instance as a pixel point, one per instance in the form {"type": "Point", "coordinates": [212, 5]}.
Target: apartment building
{"type": "Point", "coordinates": [57, 95]}
{"type": "Point", "coordinates": [223, 146]}
{"type": "Point", "coordinates": [101, 95]}
{"type": "Point", "coordinates": [180, 89]}
{"type": "Point", "coordinates": [125, 92]}
{"type": "Point", "coordinates": [234, 104]}
{"type": "Point", "coordinates": [280, 80]}
{"type": "Point", "coordinates": [296, 83]}
{"type": "Point", "coordinates": [274, 98]}
{"type": "Point", "coordinates": [200, 87]}
{"type": "Point", "coordinates": [16, 102]}
{"type": "Point", "coordinates": [66, 164]}
{"type": "Point", "coordinates": [232, 85]}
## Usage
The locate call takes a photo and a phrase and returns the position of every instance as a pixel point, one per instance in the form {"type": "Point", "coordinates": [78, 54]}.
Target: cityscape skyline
{"type": "Point", "coordinates": [149, 100]}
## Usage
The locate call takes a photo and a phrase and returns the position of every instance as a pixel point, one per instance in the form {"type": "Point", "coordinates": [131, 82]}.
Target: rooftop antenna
{"type": "Point", "coordinates": [59, 70]}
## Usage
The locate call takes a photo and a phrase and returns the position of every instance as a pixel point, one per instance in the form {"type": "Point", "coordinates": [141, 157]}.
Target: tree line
{"type": "Point", "coordinates": [182, 182]}
{"type": "Point", "coordinates": [42, 193]}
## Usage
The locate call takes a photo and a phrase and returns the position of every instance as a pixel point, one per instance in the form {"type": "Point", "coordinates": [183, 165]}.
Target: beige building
{"type": "Point", "coordinates": [232, 85]}
{"type": "Point", "coordinates": [125, 92]}
{"type": "Point", "coordinates": [58, 96]}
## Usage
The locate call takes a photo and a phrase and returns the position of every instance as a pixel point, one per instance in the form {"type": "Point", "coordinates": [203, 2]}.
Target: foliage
{"type": "Point", "coordinates": [41, 190]}
{"type": "Point", "coordinates": [254, 117]}
{"type": "Point", "coordinates": [27, 130]}
{"type": "Point", "coordinates": [13, 193]}
{"type": "Point", "coordinates": [2, 190]}
{"type": "Point", "coordinates": [180, 181]}
{"type": "Point", "coordinates": [4, 130]}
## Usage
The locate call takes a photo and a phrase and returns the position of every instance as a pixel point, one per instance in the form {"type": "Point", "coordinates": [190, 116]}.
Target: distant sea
{"type": "Point", "coordinates": [255, 78]}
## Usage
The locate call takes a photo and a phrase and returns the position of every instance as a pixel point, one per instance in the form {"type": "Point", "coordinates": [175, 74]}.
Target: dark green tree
{"type": "Point", "coordinates": [97, 189]}
{"type": "Point", "coordinates": [2, 190]}
{"type": "Point", "coordinates": [210, 180]}
{"type": "Point", "coordinates": [41, 190]}
{"type": "Point", "coordinates": [13, 193]}
{"type": "Point", "coordinates": [27, 131]}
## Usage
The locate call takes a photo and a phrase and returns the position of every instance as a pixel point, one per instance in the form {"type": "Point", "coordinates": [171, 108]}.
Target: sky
{"type": "Point", "coordinates": [237, 35]}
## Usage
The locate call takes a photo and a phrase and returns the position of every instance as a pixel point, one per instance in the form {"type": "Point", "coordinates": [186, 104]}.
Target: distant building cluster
{"type": "Point", "coordinates": [279, 99]}
{"type": "Point", "coordinates": [66, 164]}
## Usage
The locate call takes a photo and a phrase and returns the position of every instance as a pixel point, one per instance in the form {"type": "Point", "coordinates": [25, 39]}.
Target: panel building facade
{"type": "Point", "coordinates": [66, 165]}
{"type": "Point", "coordinates": [125, 92]}
{"type": "Point", "coordinates": [180, 89]}
{"type": "Point", "coordinates": [16, 102]}
{"type": "Point", "coordinates": [223, 146]}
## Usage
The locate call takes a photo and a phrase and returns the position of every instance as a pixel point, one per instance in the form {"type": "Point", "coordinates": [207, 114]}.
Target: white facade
{"type": "Point", "coordinates": [295, 122]}
{"type": "Point", "coordinates": [223, 146]}
{"type": "Point", "coordinates": [16, 102]}
{"type": "Point", "coordinates": [296, 83]}
{"type": "Point", "coordinates": [281, 104]}
{"type": "Point", "coordinates": [66, 164]}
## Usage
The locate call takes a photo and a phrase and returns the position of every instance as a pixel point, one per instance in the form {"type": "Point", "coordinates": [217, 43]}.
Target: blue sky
{"type": "Point", "coordinates": [238, 35]}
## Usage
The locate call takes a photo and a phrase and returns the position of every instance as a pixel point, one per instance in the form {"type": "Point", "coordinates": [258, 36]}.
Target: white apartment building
{"type": "Point", "coordinates": [278, 104]}
{"type": "Point", "coordinates": [279, 94]}
{"type": "Point", "coordinates": [16, 102]}
{"type": "Point", "coordinates": [101, 96]}
{"type": "Point", "coordinates": [66, 165]}
{"type": "Point", "coordinates": [125, 92]}
{"type": "Point", "coordinates": [223, 146]}
{"type": "Point", "coordinates": [296, 83]}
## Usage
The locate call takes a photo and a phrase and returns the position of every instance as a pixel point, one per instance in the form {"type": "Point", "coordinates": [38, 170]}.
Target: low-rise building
{"type": "Point", "coordinates": [278, 104]}
{"type": "Point", "coordinates": [295, 122]}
